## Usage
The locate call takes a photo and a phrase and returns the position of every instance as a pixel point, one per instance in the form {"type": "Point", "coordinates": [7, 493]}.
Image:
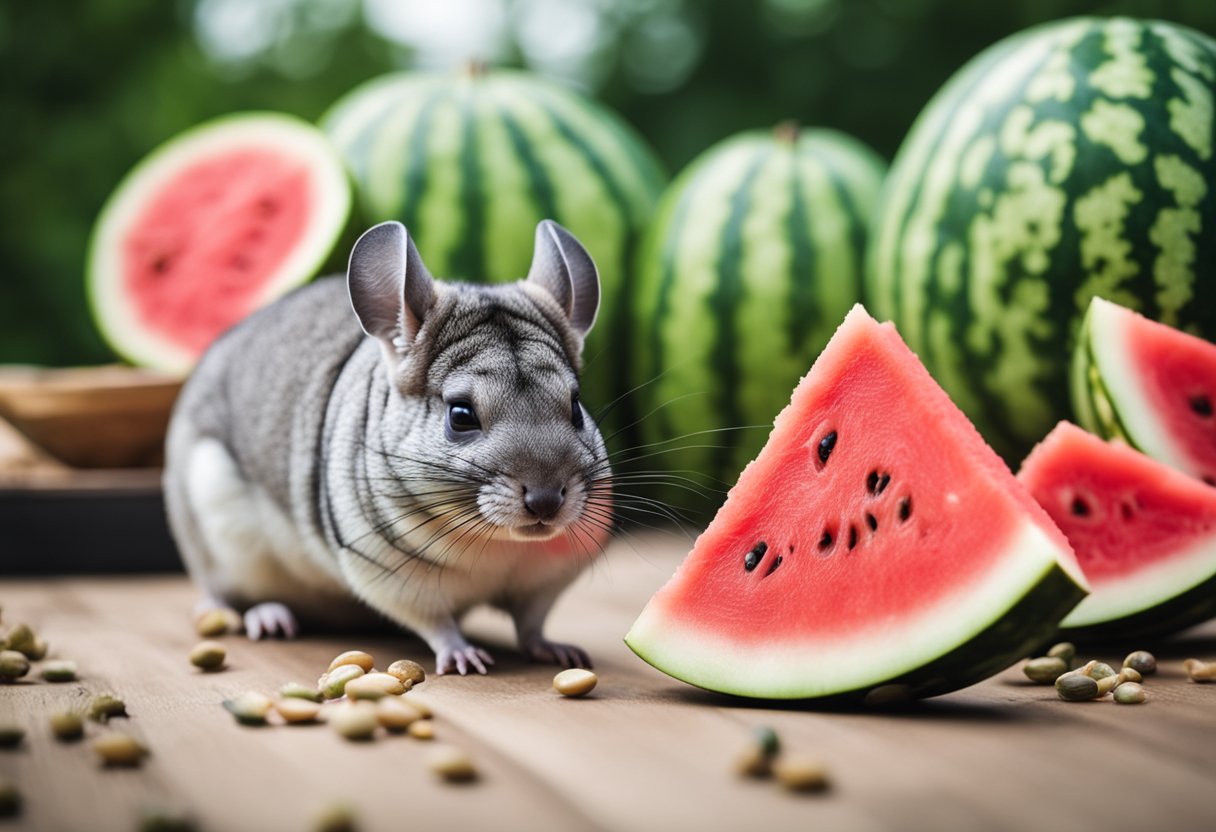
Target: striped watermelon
{"type": "Point", "coordinates": [471, 162]}
{"type": "Point", "coordinates": [1072, 160]}
{"type": "Point", "coordinates": [755, 256]}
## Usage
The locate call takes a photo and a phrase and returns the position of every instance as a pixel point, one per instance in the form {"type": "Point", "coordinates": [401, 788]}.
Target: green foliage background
{"type": "Point", "coordinates": [90, 86]}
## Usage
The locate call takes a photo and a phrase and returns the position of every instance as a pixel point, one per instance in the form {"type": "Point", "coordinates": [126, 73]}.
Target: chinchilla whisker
{"type": "Point", "coordinates": [443, 536]}
{"type": "Point", "coordinates": [653, 507]}
{"type": "Point", "coordinates": [602, 413]}
{"type": "Point", "coordinates": [608, 439]}
{"type": "Point", "coordinates": [430, 509]}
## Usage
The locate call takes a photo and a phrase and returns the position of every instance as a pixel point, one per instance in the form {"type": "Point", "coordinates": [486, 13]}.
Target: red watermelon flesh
{"type": "Point", "coordinates": [876, 539]}
{"type": "Point", "coordinates": [1144, 533]}
{"type": "Point", "coordinates": [1161, 383]}
{"type": "Point", "coordinates": [214, 224]}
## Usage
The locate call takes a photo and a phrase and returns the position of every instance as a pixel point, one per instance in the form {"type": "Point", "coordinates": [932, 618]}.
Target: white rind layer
{"type": "Point", "coordinates": [329, 195]}
{"type": "Point", "coordinates": [1108, 347]}
{"type": "Point", "coordinates": [1146, 588]}
{"type": "Point", "coordinates": [886, 651]}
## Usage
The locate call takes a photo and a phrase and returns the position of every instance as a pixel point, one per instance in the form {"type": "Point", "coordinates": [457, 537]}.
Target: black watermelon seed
{"type": "Point", "coordinates": [883, 483]}
{"type": "Point", "coordinates": [1209, 480]}
{"type": "Point", "coordinates": [872, 482]}
{"type": "Point", "coordinates": [1202, 405]}
{"type": "Point", "coordinates": [752, 559]}
{"type": "Point", "coordinates": [826, 540]}
{"type": "Point", "coordinates": [1080, 508]}
{"type": "Point", "coordinates": [872, 522]}
{"type": "Point", "coordinates": [905, 509]}
{"type": "Point", "coordinates": [852, 536]}
{"type": "Point", "coordinates": [825, 447]}
{"type": "Point", "coordinates": [773, 566]}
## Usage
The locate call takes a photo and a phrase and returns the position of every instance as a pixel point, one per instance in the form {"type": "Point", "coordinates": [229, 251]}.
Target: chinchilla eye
{"type": "Point", "coordinates": [462, 417]}
{"type": "Point", "coordinates": [576, 411]}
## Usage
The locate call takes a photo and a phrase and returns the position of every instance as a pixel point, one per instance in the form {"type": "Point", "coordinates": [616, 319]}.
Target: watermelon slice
{"type": "Point", "coordinates": [217, 222]}
{"type": "Point", "coordinates": [1144, 534]}
{"type": "Point", "coordinates": [876, 547]}
{"type": "Point", "coordinates": [1148, 384]}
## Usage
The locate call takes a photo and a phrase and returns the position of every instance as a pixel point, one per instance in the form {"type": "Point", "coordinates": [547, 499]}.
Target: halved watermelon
{"type": "Point", "coordinates": [215, 223]}
{"type": "Point", "coordinates": [1144, 534]}
{"type": "Point", "coordinates": [1148, 384]}
{"type": "Point", "coordinates": [875, 546]}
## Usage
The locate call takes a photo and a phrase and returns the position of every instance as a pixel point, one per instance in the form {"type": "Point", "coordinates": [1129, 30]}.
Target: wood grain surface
{"type": "Point", "coordinates": [643, 752]}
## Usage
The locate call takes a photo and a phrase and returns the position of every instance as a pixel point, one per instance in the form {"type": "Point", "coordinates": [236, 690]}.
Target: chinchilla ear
{"type": "Point", "coordinates": [390, 288]}
{"type": "Point", "coordinates": [563, 268]}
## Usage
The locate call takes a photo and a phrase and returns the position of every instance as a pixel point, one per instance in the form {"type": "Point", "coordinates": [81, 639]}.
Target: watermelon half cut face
{"type": "Point", "coordinates": [875, 545]}
{"type": "Point", "coordinates": [1144, 534]}
{"type": "Point", "coordinates": [211, 226]}
{"type": "Point", "coordinates": [1148, 384]}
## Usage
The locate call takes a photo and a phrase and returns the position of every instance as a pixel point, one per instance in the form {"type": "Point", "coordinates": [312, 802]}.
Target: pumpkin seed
{"type": "Point", "coordinates": [296, 711]}
{"type": "Point", "coordinates": [13, 665]}
{"type": "Point", "coordinates": [800, 773]}
{"type": "Point", "coordinates": [336, 818]}
{"type": "Point", "coordinates": [374, 686]}
{"type": "Point", "coordinates": [355, 721]}
{"type": "Point", "coordinates": [422, 729]}
{"type": "Point", "coordinates": [297, 690]}
{"type": "Point", "coordinates": [208, 655]}
{"type": "Point", "coordinates": [118, 749]}
{"type": "Point", "coordinates": [37, 650]}
{"type": "Point", "coordinates": [1106, 684]}
{"type": "Point", "coordinates": [59, 670]}
{"type": "Point", "coordinates": [1100, 670]}
{"type": "Point", "coordinates": [219, 621]}
{"type": "Point", "coordinates": [753, 762]}
{"type": "Point", "coordinates": [1076, 687]}
{"type": "Point", "coordinates": [11, 736]}
{"type": "Point", "coordinates": [1065, 650]}
{"type": "Point", "coordinates": [421, 705]}
{"type": "Point", "coordinates": [396, 714]}
{"type": "Point", "coordinates": [766, 739]}
{"type": "Point", "coordinates": [407, 671]}
{"type": "Point", "coordinates": [10, 799]}
{"type": "Point", "coordinates": [250, 708]}
{"type": "Point", "coordinates": [1200, 671]}
{"type": "Point", "coordinates": [575, 682]}
{"type": "Point", "coordinates": [333, 683]}
{"type": "Point", "coordinates": [451, 763]}
{"type": "Point", "coordinates": [1141, 661]}
{"type": "Point", "coordinates": [20, 638]}
{"type": "Point", "coordinates": [105, 707]}
{"type": "Point", "coordinates": [1045, 670]}
{"type": "Point", "coordinates": [1128, 674]}
{"type": "Point", "coordinates": [165, 819]}
{"type": "Point", "coordinates": [67, 726]}
{"type": "Point", "coordinates": [358, 658]}
{"type": "Point", "coordinates": [1129, 693]}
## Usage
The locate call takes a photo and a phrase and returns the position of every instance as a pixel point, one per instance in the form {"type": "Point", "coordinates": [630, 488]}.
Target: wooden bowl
{"type": "Point", "coordinates": [91, 417]}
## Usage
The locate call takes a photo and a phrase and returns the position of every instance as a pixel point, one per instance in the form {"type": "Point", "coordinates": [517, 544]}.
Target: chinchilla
{"type": "Point", "coordinates": [423, 454]}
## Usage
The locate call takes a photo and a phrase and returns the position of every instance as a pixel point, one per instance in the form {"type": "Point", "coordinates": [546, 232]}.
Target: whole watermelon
{"type": "Point", "coordinates": [755, 256]}
{"type": "Point", "coordinates": [470, 163]}
{"type": "Point", "coordinates": [1072, 160]}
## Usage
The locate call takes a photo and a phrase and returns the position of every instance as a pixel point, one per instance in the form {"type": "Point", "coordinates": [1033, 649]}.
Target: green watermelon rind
{"type": "Point", "coordinates": [321, 247]}
{"type": "Point", "coordinates": [1092, 404]}
{"type": "Point", "coordinates": [1003, 636]}
{"type": "Point", "coordinates": [1193, 606]}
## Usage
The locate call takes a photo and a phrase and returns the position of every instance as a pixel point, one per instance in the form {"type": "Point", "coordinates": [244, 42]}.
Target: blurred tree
{"type": "Point", "coordinates": [90, 87]}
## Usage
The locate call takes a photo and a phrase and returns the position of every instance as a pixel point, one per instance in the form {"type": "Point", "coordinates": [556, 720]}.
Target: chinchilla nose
{"type": "Point", "coordinates": [543, 502]}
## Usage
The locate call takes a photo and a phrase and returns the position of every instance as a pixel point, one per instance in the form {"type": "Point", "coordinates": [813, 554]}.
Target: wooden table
{"type": "Point", "coordinates": [644, 752]}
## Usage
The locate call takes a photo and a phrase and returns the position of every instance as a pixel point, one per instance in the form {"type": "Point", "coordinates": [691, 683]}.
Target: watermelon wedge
{"type": "Point", "coordinates": [217, 222]}
{"type": "Point", "coordinates": [1144, 534]}
{"type": "Point", "coordinates": [875, 547]}
{"type": "Point", "coordinates": [1149, 384]}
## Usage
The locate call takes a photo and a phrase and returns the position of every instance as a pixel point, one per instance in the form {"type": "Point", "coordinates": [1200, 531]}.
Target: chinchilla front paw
{"type": "Point", "coordinates": [270, 620]}
{"type": "Point", "coordinates": [460, 657]}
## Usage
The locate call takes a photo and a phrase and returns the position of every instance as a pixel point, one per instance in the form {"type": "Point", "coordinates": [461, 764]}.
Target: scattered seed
{"type": "Point", "coordinates": [118, 749]}
{"type": "Point", "coordinates": [1106, 684]}
{"type": "Point", "coordinates": [1128, 674]}
{"type": "Point", "coordinates": [67, 726]}
{"type": "Point", "coordinates": [337, 817]}
{"type": "Point", "coordinates": [105, 707]}
{"type": "Point", "coordinates": [575, 681]}
{"type": "Point", "coordinates": [766, 739]}
{"type": "Point", "coordinates": [374, 686]}
{"type": "Point", "coordinates": [358, 658]}
{"type": "Point", "coordinates": [165, 819]}
{"type": "Point", "coordinates": [38, 650]}
{"type": "Point", "coordinates": [1141, 661]}
{"type": "Point", "coordinates": [756, 760]}
{"type": "Point", "coordinates": [1200, 671]}
{"type": "Point", "coordinates": [208, 655]}
{"type": "Point", "coordinates": [905, 509]}
{"type": "Point", "coordinates": [872, 522]}
{"type": "Point", "coordinates": [407, 671]}
{"type": "Point", "coordinates": [1076, 687]}
{"type": "Point", "coordinates": [1086, 668]}
{"type": "Point", "coordinates": [1099, 670]}
{"type": "Point", "coordinates": [219, 621]}
{"type": "Point", "coordinates": [250, 708]}
{"type": "Point", "coordinates": [1065, 651]}
{"type": "Point", "coordinates": [1129, 693]}
{"type": "Point", "coordinates": [297, 690]}
{"type": "Point", "coordinates": [396, 714]}
{"type": "Point", "coordinates": [1045, 670]}
{"type": "Point", "coordinates": [13, 665]}
{"type": "Point", "coordinates": [422, 729]}
{"type": "Point", "coordinates": [1202, 405]}
{"type": "Point", "coordinates": [59, 670]}
{"type": "Point", "coordinates": [333, 684]}
{"type": "Point", "coordinates": [355, 721]}
{"type": "Point", "coordinates": [11, 736]}
{"type": "Point", "coordinates": [451, 763]}
{"type": "Point", "coordinates": [20, 638]}
{"type": "Point", "coordinates": [800, 773]}
{"type": "Point", "coordinates": [296, 711]}
{"type": "Point", "coordinates": [10, 799]}
{"type": "Point", "coordinates": [421, 705]}
{"type": "Point", "coordinates": [826, 444]}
